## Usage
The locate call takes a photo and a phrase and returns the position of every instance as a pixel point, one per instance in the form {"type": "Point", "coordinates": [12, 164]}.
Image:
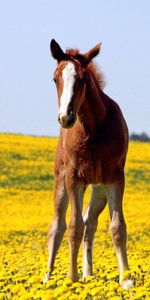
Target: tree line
{"type": "Point", "coordinates": [142, 137]}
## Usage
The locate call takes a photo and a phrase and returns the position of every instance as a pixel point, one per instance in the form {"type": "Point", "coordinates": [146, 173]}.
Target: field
{"type": "Point", "coordinates": [26, 209]}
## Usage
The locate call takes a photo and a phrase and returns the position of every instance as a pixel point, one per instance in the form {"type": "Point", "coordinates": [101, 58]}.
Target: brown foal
{"type": "Point", "coordinates": [92, 150]}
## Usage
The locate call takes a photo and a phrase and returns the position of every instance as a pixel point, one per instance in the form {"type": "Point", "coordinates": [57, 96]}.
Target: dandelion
{"type": "Point", "coordinates": [26, 208]}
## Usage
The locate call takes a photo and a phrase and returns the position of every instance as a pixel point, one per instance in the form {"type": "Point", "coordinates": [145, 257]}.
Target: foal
{"type": "Point", "coordinates": [92, 150]}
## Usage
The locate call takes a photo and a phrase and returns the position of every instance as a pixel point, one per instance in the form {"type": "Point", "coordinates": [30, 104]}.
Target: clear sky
{"type": "Point", "coordinates": [28, 101]}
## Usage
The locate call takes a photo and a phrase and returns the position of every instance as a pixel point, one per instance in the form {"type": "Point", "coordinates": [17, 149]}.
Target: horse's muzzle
{"type": "Point", "coordinates": [67, 121]}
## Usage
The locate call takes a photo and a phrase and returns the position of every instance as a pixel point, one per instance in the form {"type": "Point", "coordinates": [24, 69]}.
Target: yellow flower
{"type": "Point", "coordinates": [26, 208]}
{"type": "Point", "coordinates": [35, 279]}
{"type": "Point", "coordinates": [126, 275]}
{"type": "Point", "coordinates": [67, 282]}
{"type": "Point", "coordinates": [15, 289]}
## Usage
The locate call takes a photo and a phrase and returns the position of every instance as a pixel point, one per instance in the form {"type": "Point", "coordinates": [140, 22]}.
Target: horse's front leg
{"type": "Point", "coordinates": [114, 194]}
{"type": "Point", "coordinates": [76, 226]}
{"type": "Point", "coordinates": [58, 225]}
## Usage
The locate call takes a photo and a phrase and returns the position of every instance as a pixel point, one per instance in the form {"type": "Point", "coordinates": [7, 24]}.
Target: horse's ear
{"type": "Point", "coordinates": [92, 53]}
{"type": "Point", "coordinates": [56, 51]}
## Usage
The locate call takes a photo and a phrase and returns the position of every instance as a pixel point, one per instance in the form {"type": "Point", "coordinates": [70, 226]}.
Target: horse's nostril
{"type": "Point", "coordinates": [71, 120]}
{"type": "Point", "coordinates": [67, 120]}
{"type": "Point", "coordinates": [71, 117]}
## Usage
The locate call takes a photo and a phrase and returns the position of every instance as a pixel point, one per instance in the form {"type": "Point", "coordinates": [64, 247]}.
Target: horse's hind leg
{"type": "Point", "coordinates": [114, 194]}
{"type": "Point", "coordinates": [58, 225]}
{"type": "Point", "coordinates": [97, 204]}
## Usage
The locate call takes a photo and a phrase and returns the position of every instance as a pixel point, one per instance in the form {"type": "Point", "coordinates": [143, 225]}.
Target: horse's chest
{"type": "Point", "coordinates": [90, 170]}
{"type": "Point", "coordinates": [88, 165]}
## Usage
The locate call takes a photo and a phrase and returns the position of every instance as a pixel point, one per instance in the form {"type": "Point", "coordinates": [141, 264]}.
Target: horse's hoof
{"type": "Point", "coordinates": [46, 278]}
{"type": "Point", "coordinates": [127, 284]}
{"type": "Point", "coordinates": [73, 277]}
{"type": "Point", "coordinates": [87, 274]}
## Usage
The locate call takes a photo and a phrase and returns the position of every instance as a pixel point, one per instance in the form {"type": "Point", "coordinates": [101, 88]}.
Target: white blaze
{"type": "Point", "coordinates": [68, 75]}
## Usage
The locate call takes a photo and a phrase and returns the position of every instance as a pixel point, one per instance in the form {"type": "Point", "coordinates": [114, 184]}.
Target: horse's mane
{"type": "Point", "coordinates": [99, 77]}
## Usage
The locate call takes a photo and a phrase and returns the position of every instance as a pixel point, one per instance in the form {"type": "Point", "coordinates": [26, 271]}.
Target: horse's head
{"type": "Point", "coordinates": [70, 77]}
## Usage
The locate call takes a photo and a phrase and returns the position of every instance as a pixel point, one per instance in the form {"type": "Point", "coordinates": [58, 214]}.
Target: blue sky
{"type": "Point", "coordinates": [28, 101]}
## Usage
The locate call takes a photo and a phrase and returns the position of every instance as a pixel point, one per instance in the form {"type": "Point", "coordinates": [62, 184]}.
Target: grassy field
{"type": "Point", "coordinates": [26, 209]}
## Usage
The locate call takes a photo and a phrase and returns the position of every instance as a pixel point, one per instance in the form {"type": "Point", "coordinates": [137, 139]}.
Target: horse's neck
{"type": "Point", "coordinates": [92, 111]}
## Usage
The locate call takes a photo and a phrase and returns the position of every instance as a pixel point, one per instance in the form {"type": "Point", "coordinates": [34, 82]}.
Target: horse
{"type": "Point", "coordinates": [91, 150]}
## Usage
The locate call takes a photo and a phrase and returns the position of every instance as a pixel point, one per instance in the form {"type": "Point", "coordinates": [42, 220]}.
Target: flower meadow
{"type": "Point", "coordinates": [26, 209]}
